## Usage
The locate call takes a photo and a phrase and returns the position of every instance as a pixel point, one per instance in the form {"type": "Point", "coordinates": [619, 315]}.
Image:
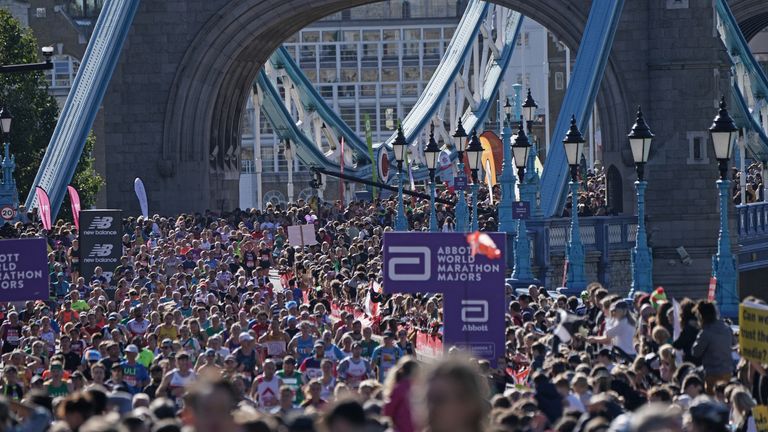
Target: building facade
{"type": "Point", "coordinates": [363, 68]}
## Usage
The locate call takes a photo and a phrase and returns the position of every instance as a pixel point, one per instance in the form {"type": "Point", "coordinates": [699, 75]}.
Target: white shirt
{"type": "Point", "coordinates": [621, 334]}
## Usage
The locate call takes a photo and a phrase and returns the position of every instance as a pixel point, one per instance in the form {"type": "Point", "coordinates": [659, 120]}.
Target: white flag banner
{"type": "Point", "coordinates": [141, 194]}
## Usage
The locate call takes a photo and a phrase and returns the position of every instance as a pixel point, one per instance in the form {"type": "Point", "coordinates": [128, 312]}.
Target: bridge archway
{"type": "Point", "coordinates": [752, 16]}
{"type": "Point", "coordinates": [213, 80]}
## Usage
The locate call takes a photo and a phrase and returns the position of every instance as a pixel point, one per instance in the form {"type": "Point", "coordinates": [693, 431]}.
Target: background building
{"type": "Point", "coordinates": [362, 67]}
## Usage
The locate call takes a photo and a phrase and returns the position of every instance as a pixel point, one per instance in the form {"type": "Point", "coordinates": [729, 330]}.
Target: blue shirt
{"type": "Point", "coordinates": [135, 376]}
{"type": "Point", "coordinates": [385, 358]}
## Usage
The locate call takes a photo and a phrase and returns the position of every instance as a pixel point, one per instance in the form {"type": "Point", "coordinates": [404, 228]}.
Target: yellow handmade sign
{"type": "Point", "coordinates": [753, 337]}
{"type": "Point", "coordinates": [761, 417]}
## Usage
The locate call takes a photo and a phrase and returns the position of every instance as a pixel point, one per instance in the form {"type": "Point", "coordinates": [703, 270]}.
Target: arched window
{"type": "Point", "coordinates": [614, 191]}
{"type": "Point", "coordinates": [274, 197]}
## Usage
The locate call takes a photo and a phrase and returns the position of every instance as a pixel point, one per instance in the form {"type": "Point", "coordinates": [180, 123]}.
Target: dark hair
{"type": "Point", "coordinates": [707, 311]}
{"type": "Point", "coordinates": [349, 411]}
{"type": "Point", "coordinates": [686, 311]}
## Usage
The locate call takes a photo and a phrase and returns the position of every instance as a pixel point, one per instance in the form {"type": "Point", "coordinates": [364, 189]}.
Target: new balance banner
{"type": "Point", "coordinates": [23, 269]}
{"type": "Point", "coordinates": [100, 241]}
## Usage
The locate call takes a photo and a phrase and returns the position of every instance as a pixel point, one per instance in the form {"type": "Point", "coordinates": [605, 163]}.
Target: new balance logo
{"type": "Point", "coordinates": [101, 223]}
{"type": "Point", "coordinates": [101, 250]}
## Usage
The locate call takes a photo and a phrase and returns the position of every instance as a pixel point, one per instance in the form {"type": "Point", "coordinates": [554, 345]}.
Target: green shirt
{"type": "Point", "coordinates": [294, 382]}
{"type": "Point", "coordinates": [145, 358]}
{"type": "Point", "coordinates": [80, 305]}
{"type": "Point", "coordinates": [368, 347]}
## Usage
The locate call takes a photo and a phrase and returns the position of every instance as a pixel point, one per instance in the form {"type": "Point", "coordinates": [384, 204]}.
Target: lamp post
{"type": "Point", "coordinates": [723, 131]}
{"type": "Point", "coordinates": [288, 152]}
{"type": "Point", "coordinates": [522, 269]}
{"type": "Point", "coordinates": [399, 146]}
{"type": "Point", "coordinates": [642, 262]}
{"type": "Point", "coordinates": [474, 154]}
{"type": "Point", "coordinates": [507, 180]}
{"type": "Point", "coordinates": [574, 254]}
{"type": "Point", "coordinates": [431, 153]}
{"type": "Point", "coordinates": [9, 195]}
{"type": "Point", "coordinates": [461, 205]}
{"type": "Point", "coordinates": [529, 187]}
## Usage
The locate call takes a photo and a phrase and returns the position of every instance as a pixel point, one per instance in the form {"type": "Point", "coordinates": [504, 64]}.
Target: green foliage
{"type": "Point", "coordinates": [35, 113]}
{"type": "Point", "coordinates": [87, 181]}
{"type": "Point", "coordinates": [26, 95]}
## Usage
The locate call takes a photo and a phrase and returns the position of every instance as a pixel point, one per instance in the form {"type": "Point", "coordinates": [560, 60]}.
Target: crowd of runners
{"type": "Point", "coordinates": [215, 322]}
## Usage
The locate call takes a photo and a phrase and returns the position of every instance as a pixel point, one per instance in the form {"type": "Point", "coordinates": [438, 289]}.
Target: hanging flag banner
{"type": "Point", "coordinates": [369, 143]}
{"type": "Point", "coordinates": [472, 286]}
{"type": "Point", "coordinates": [712, 289]}
{"type": "Point", "coordinates": [74, 200]}
{"type": "Point", "coordinates": [100, 241]}
{"type": "Point", "coordinates": [23, 269]}
{"type": "Point", "coordinates": [141, 194]}
{"type": "Point", "coordinates": [44, 207]}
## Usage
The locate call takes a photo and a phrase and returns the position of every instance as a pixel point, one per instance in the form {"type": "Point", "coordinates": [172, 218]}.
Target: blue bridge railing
{"type": "Point", "coordinates": [752, 221]}
{"type": "Point", "coordinates": [601, 236]}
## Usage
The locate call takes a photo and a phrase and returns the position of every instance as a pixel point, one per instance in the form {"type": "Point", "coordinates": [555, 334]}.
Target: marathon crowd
{"type": "Point", "coordinates": [217, 323]}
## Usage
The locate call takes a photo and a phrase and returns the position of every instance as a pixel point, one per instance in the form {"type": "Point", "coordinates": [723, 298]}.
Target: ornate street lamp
{"type": "Point", "coordinates": [461, 206]}
{"type": "Point", "coordinates": [522, 269]}
{"type": "Point", "coordinates": [432, 154]}
{"type": "Point", "coordinates": [474, 157]}
{"type": "Point", "coordinates": [574, 254]}
{"type": "Point", "coordinates": [399, 147]}
{"type": "Point", "coordinates": [529, 110]}
{"type": "Point", "coordinates": [640, 138]}
{"type": "Point", "coordinates": [5, 120]}
{"type": "Point", "coordinates": [723, 131]}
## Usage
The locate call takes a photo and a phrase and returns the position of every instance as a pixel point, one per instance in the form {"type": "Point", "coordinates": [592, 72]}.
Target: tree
{"type": "Point", "coordinates": [86, 180]}
{"type": "Point", "coordinates": [35, 113]}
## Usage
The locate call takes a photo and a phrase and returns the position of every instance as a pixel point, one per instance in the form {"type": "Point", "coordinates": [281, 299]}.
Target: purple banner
{"type": "Point", "coordinates": [472, 287]}
{"type": "Point", "coordinates": [23, 270]}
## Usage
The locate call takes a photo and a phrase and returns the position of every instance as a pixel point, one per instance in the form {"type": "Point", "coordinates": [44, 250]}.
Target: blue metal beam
{"type": "Point", "coordinates": [738, 50]}
{"type": "Point", "coordinates": [85, 97]}
{"type": "Point", "coordinates": [591, 61]}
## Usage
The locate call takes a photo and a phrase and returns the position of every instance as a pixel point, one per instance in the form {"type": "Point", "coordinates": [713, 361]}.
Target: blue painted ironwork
{"type": "Point", "coordinates": [461, 205]}
{"type": "Point", "coordinates": [522, 268]}
{"type": "Point", "coordinates": [285, 128]}
{"type": "Point", "coordinates": [580, 96]}
{"type": "Point", "coordinates": [642, 261]}
{"type": "Point", "coordinates": [401, 223]}
{"type": "Point", "coordinates": [475, 223]}
{"type": "Point", "coordinates": [750, 85]}
{"type": "Point", "coordinates": [575, 251]}
{"type": "Point", "coordinates": [9, 194]}
{"type": "Point", "coordinates": [724, 263]}
{"type": "Point", "coordinates": [530, 188]}
{"type": "Point", "coordinates": [517, 105]}
{"type": "Point", "coordinates": [432, 208]}
{"type": "Point", "coordinates": [312, 101]}
{"type": "Point", "coordinates": [83, 102]}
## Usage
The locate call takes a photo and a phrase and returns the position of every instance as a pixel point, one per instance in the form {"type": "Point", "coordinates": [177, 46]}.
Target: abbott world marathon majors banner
{"type": "Point", "coordinates": [100, 241]}
{"type": "Point", "coordinates": [23, 270]}
{"type": "Point", "coordinates": [468, 270]}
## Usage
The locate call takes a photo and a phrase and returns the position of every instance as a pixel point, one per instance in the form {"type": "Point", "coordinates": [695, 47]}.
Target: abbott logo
{"type": "Point", "coordinates": [415, 255]}
{"type": "Point", "coordinates": [101, 250]}
{"type": "Point", "coordinates": [474, 311]}
{"type": "Point", "coordinates": [101, 223]}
